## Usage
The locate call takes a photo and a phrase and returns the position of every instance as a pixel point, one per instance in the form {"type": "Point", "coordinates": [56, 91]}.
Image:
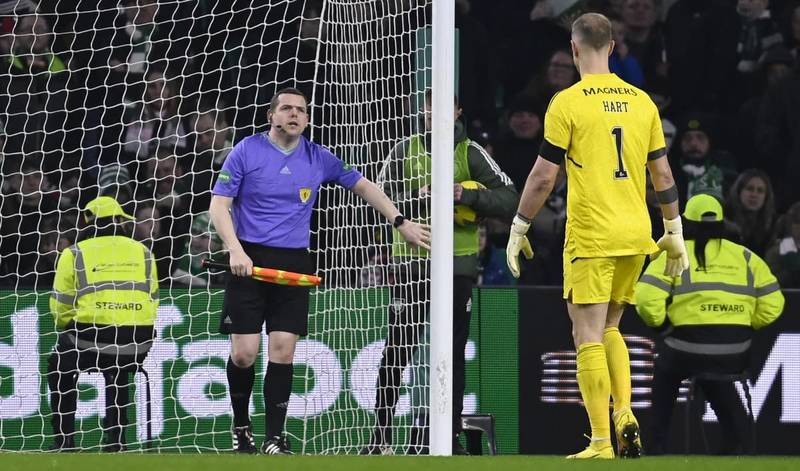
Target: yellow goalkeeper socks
{"type": "Point", "coordinates": [619, 368]}
{"type": "Point", "coordinates": [595, 386]}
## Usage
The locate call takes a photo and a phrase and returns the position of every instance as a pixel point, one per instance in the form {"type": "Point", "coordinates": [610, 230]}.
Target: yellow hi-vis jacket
{"type": "Point", "coordinates": [737, 289]}
{"type": "Point", "coordinates": [105, 281]}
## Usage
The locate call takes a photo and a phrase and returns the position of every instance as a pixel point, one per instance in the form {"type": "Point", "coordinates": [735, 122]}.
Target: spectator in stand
{"type": "Point", "coordinates": [98, 45]}
{"type": "Point", "coordinates": [476, 63]}
{"type": "Point", "coordinates": [203, 243]}
{"type": "Point", "coordinates": [783, 257]}
{"type": "Point", "coordinates": [777, 138]}
{"type": "Point", "coordinates": [701, 38]}
{"type": "Point", "coordinates": [608, 8]}
{"type": "Point", "coordinates": [2, 144]}
{"type": "Point", "coordinates": [114, 181]}
{"type": "Point", "coordinates": [558, 74]}
{"type": "Point", "coordinates": [154, 124]}
{"type": "Point", "coordinates": [699, 167]}
{"type": "Point", "coordinates": [68, 224]}
{"type": "Point", "coordinates": [159, 34]}
{"type": "Point", "coordinates": [644, 38]}
{"type": "Point", "coordinates": [18, 7]}
{"type": "Point", "coordinates": [139, 18]}
{"type": "Point", "coordinates": [266, 58]}
{"type": "Point", "coordinates": [514, 150]}
{"type": "Point", "coordinates": [50, 245]}
{"type": "Point", "coordinates": [775, 66]}
{"type": "Point", "coordinates": [792, 29]}
{"type": "Point", "coordinates": [30, 47]}
{"type": "Point", "coordinates": [31, 197]}
{"type": "Point", "coordinates": [213, 138]}
{"type": "Point", "coordinates": [9, 171]}
{"type": "Point", "coordinates": [667, 125]}
{"type": "Point", "coordinates": [116, 42]}
{"type": "Point", "coordinates": [758, 33]}
{"type": "Point", "coordinates": [527, 46]}
{"type": "Point", "coordinates": [10, 181]}
{"type": "Point", "coordinates": [38, 95]}
{"type": "Point", "coordinates": [163, 185]}
{"type": "Point", "coordinates": [751, 206]}
{"type": "Point", "coordinates": [69, 186]}
{"type": "Point", "coordinates": [212, 143]}
{"type": "Point", "coordinates": [148, 230]}
{"type": "Point", "coordinates": [621, 62]}
{"type": "Point", "coordinates": [492, 267]}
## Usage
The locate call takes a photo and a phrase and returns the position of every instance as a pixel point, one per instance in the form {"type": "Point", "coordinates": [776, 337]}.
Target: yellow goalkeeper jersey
{"type": "Point", "coordinates": [607, 130]}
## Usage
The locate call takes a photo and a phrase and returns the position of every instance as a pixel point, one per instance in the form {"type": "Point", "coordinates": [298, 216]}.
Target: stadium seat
{"type": "Point", "coordinates": [475, 424]}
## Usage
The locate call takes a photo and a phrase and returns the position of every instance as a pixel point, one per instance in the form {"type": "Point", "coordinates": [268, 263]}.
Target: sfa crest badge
{"type": "Point", "coordinates": [305, 194]}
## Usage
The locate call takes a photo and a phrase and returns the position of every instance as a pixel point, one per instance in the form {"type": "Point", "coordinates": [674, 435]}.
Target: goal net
{"type": "Point", "coordinates": [142, 100]}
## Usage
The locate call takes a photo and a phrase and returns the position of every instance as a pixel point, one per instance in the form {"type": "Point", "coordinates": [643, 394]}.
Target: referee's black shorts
{"type": "Point", "coordinates": [250, 303]}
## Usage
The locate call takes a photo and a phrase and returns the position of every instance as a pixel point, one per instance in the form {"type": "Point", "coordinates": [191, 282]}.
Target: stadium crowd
{"type": "Point", "coordinates": [142, 100]}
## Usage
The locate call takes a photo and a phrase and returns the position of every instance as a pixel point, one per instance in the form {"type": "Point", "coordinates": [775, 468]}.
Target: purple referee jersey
{"type": "Point", "coordinates": [273, 193]}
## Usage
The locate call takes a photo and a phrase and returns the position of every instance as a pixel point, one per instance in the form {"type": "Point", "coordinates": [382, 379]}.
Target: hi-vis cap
{"type": "Point", "coordinates": [103, 207]}
{"type": "Point", "coordinates": [703, 208]}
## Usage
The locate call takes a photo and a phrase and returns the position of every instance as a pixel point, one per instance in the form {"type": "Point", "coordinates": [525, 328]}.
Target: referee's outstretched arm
{"type": "Point", "coordinates": [415, 234]}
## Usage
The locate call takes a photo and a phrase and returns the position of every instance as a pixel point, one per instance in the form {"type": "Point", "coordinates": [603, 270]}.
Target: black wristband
{"type": "Point", "coordinates": [670, 195]}
{"type": "Point", "coordinates": [398, 221]}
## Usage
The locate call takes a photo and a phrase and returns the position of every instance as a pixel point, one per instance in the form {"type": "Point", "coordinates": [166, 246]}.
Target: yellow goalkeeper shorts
{"type": "Point", "coordinates": [601, 279]}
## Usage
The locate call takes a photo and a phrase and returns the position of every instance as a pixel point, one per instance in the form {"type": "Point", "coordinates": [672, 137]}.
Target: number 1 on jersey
{"type": "Point", "coordinates": [620, 172]}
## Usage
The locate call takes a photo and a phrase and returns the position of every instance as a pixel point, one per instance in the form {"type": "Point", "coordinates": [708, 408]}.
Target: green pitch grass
{"type": "Point", "coordinates": [195, 462]}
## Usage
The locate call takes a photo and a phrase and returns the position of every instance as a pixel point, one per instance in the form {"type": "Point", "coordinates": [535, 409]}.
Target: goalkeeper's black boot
{"type": "Point", "coordinates": [629, 441]}
{"type": "Point", "coordinates": [243, 440]}
{"type": "Point", "coordinates": [276, 446]}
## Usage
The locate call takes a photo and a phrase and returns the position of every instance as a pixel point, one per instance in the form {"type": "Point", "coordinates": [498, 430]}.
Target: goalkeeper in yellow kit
{"type": "Point", "coordinates": [606, 132]}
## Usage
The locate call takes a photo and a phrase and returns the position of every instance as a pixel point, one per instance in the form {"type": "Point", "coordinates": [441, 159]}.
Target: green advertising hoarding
{"type": "Point", "coordinates": [334, 386]}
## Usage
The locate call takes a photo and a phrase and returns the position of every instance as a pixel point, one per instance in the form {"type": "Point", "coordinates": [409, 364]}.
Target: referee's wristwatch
{"type": "Point", "coordinates": [399, 220]}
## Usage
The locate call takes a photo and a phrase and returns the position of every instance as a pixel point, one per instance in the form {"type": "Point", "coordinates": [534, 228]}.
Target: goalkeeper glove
{"type": "Point", "coordinates": [517, 241]}
{"type": "Point", "coordinates": [672, 243]}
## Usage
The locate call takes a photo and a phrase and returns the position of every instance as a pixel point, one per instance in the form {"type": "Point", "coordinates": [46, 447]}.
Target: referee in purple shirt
{"type": "Point", "coordinates": [261, 208]}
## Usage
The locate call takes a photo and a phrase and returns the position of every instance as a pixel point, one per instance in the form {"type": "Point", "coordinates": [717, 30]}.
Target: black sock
{"type": "Point", "coordinates": [277, 388]}
{"type": "Point", "coordinates": [240, 382]}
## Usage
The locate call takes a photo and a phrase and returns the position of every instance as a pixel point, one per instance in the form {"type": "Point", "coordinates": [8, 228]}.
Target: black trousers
{"type": "Point", "coordinates": [672, 367]}
{"type": "Point", "coordinates": [407, 316]}
{"type": "Point", "coordinates": [65, 364]}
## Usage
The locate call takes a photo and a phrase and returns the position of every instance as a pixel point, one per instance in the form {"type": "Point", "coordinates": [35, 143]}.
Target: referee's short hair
{"type": "Point", "coordinates": [273, 103]}
{"type": "Point", "coordinates": [593, 30]}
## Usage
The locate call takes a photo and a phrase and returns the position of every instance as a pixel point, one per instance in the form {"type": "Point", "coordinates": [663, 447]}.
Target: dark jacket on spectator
{"type": "Point", "coordinates": [777, 135]}
{"type": "Point", "coordinates": [701, 37]}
